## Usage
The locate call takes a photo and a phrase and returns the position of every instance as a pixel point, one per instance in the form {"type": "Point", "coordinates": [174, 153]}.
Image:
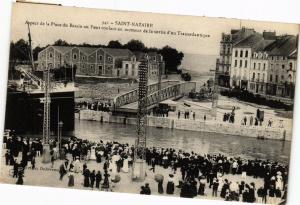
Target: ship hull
{"type": "Point", "coordinates": [24, 112]}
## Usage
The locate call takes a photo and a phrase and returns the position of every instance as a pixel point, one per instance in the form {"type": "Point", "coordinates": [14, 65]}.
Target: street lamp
{"type": "Point", "coordinates": [60, 126]}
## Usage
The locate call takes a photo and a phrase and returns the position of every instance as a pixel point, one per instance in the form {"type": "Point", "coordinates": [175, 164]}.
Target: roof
{"type": "Point", "coordinates": [283, 46]}
{"type": "Point", "coordinates": [87, 50]}
{"type": "Point", "coordinates": [251, 41]}
{"type": "Point", "coordinates": [118, 52]}
{"type": "Point", "coordinates": [62, 49]}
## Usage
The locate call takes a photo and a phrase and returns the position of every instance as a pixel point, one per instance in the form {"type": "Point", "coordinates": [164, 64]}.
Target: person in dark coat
{"type": "Point", "coordinates": [71, 179]}
{"type": "Point", "coordinates": [20, 179]}
{"type": "Point", "coordinates": [7, 156]}
{"type": "Point", "coordinates": [62, 171]}
{"type": "Point", "coordinates": [33, 162]}
{"type": "Point", "coordinates": [147, 189]}
{"type": "Point", "coordinates": [170, 185]}
{"type": "Point", "coordinates": [160, 187]}
{"type": "Point", "coordinates": [16, 166]}
{"type": "Point", "coordinates": [224, 188]}
{"type": "Point", "coordinates": [98, 179]}
{"type": "Point", "coordinates": [215, 187]}
{"type": "Point", "coordinates": [201, 186]}
{"type": "Point", "coordinates": [86, 180]}
{"type": "Point", "coordinates": [92, 178]}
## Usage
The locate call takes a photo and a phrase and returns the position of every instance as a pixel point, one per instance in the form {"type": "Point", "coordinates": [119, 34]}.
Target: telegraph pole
{"type": "Point", "coordinates": [139, 164]}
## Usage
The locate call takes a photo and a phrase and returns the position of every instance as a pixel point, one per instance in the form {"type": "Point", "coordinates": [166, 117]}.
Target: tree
{"type": "Point", "coordinates": [19, 51]}
{"type": "Point", "coordinates": [60, 42]}
{"type": "Point", "coordinates": [114, 44]}
{"type": "Point", "coordinates": [172, 58]}
{"type": "Point", "coordinates": [135, 45]}
{"type": "Point", "coordinates": [36, 51]}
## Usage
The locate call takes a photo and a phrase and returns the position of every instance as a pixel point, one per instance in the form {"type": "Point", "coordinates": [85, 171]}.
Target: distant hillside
{"type": "Point", "coordinates": [199, 63]}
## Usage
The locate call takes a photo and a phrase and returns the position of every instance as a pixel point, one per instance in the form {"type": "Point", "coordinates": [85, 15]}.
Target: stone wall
{"type": "Point", "coordinates": [193, 125]}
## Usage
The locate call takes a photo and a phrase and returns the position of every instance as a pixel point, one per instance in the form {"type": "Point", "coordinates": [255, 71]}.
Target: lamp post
{"type": "Point", "coordinates": [60, 126]}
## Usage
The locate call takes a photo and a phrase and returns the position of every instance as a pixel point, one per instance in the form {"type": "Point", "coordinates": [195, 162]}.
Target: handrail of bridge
{"type": "Point", "coordinates": [173, 91]}
{"type": "Point", "coordinates": [132, 96]}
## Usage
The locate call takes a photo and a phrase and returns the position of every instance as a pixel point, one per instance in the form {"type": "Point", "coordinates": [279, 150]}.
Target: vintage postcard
{"type": "Point", "coordinates": [147, 103]}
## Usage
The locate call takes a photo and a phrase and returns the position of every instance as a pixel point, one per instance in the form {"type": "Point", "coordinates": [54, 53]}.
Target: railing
{"type": "Point", "coordinates": [171, 91]}
{"type": "Point", "coordinates": [132, 96]}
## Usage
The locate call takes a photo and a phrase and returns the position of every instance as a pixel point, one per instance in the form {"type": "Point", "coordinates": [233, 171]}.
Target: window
{"type": "Point", "coordinates": [271, 78]}
{"type": "Point", "coordinates": [254, 65]}
{"type": "Point", "coordinates": [258, 76]}
{"type": "Point", "coordinates": [262, 88]}
{"type": "Point", "coordinates": [264, 66]}
{"type": "Point", "coordinates": [253, 76]}
{"type": "Point", "coordinates": [241, 63]}
{"type": "Point", "coordinates": [246, 54]}
{"type": "Point", "coordinates": [74, 56]}
{"type": "Point", "coordinates": [291, 66]}
{"type": "Point", "coordinates": [50, 55]}
{"type": "Point", "coordinates": [91, 66]}
{"type": "Point", "coordinates": [126, 65]}
{"type": "Point", "coordinates": [109, 58]}
{"type": "Point", "coordinates": [282, 66]}
{"type": "Point", "coordinates": [276, 78]}
{"type": "Point", "coordinates": [126, 71]}
{"type": "Point", "coordinates": [132, 72]}
{"type": "Point", "coordinates": [235, 63]}
{"type": "Point", "coordinates": [282, 77]}
{"type": "Point", "coordinates": [263, 77]}
{"type": "Point", "coordinates": [100, 58]}
{"type": "Point", "coordinates": [258, 66]}
{"type": "Point", "coordinates": [236, 53]}
{"type": "Point", "coordinates": [246, 63]}
{"type": "Point", "coordinates": [83, 58]}
{"type": "Point", "coordinates": [241, 53]}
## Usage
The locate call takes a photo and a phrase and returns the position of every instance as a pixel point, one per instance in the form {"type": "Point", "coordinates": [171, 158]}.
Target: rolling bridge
{"type": "Point", "coordinates": [128, 102]}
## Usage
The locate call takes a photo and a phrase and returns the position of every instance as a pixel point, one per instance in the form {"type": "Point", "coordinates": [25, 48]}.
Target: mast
{"type": "Point", "coordinates": [30, 47]}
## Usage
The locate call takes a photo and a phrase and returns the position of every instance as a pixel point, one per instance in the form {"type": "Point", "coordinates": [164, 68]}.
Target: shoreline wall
{"type": "Point", "coordinates": [192, 125]}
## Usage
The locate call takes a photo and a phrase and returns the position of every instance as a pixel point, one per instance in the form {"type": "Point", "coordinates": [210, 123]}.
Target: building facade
{"type": "Point", "coordinates": [263, 64]}
{"type": "Point", "coordinates": [90, 61]}
{"type": "Point", "coordinates": [224, 62]}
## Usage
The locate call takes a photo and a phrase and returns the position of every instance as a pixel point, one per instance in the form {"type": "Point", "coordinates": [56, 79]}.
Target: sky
{"type": "Point", "coordinates": [43, 35]}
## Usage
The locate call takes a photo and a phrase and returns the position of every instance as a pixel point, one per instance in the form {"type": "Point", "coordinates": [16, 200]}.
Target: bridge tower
{"type": "Point", "coordinates": [46, 117]}
{"type": "Point", "coordinates": [139, 164]}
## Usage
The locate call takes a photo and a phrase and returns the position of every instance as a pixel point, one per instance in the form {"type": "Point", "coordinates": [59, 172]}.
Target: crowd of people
{"type": "Point", "coordinates": [199, 174]}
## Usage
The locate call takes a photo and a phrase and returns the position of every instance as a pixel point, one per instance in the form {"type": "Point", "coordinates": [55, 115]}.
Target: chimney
{"type": "Point", "coordinates": [269, 35]}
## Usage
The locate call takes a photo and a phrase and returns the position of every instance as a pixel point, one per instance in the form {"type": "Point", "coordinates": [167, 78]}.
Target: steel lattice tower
{"type": "Point", "coordinates": [46, 117]}
{"type": "Point", "coordinates": [140, 145]}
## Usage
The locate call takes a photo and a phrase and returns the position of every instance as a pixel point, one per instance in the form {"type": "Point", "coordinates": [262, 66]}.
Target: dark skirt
{"type": "Point", "coordinates": [160, 188]}
{"type": "Point", "coordinates": [170, 188]}
{"type": "Point", "coordinates": [71, 181]}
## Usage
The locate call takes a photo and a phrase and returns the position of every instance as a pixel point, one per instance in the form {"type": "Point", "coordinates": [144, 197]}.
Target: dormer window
{"type": "Point", "coordinates": [74, 56]}
{"type": "Point", "coordinates": [50, 55]}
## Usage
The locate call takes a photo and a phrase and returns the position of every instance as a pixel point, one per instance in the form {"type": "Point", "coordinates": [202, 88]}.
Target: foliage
{"type": "Point", "coordinates": [172, 58]}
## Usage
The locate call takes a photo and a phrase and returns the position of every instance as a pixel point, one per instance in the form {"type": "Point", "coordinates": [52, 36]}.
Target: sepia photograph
{"type": "Point", "coordinates": [151, 104]}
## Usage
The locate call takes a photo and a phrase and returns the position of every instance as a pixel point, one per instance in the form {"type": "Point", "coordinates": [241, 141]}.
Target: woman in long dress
{"type": "Point", "coordinates": [71, 179]}
{"type": "Point", "coordinates": [160, 187]}
{"type": "Point", "coordinates": [170, 184]}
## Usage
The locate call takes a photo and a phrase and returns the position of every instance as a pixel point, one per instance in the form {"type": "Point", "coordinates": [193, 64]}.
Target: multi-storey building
{"type": "Point", "coordinates": [91, 61]}
{"type": "Point", "coordinates": [241, 56]}
{"type": "Point", "coordinates": [281, 73]}
{"type": "Point", "coordinates": [223, 64]}
{"type": "Point", "coordinates": [258, 72]}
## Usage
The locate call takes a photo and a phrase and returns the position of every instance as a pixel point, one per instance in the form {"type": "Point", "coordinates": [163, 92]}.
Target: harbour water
{"type": "Point", "coordinates": [199, 142]}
